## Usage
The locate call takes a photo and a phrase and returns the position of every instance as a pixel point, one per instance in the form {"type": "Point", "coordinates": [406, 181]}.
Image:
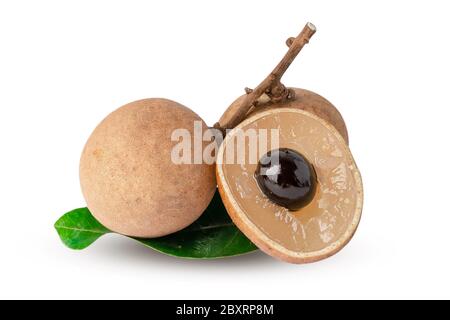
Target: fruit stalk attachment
{"type": "Point", "coordinates": [271, 85]}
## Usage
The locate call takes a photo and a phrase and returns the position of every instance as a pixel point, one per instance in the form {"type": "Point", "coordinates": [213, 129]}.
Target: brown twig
{"type": "Point", "coordinates": [272, 85]}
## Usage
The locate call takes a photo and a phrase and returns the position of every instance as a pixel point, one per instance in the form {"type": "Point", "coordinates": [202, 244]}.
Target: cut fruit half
{"type": "Point", "coordinates": [311, 233]}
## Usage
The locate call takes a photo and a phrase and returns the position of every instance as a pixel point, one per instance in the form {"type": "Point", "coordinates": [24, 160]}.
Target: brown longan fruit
{"type": "Point", "coordinates": [322, 225]}
{"type": "Point", "coordinates": [127, 175]}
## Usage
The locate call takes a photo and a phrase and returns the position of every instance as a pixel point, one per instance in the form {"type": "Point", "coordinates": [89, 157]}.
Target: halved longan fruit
{"type": "Point", "coordinates": [314, 229]}
{"type": "Point", "coordinates": [303, 100]}
{"type": "Point", "coordinates": [128, 178]}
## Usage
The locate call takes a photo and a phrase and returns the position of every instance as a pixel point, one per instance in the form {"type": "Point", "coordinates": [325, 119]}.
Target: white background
{"type": "Point", "coordinates": [64, 65]}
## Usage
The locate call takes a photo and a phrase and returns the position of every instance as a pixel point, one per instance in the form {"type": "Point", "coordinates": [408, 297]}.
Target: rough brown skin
{"type": "Point", "coordinates": [303, 99]}
{"type": "Point", "coordinates": [128, 179]}
{"type": "Point", "coordinates": [268, 245]}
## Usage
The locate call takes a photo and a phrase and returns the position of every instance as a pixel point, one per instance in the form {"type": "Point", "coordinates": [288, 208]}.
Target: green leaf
{"type": "Point", "coordinates": [213, 235]}
{"type": "Point", "coordinates": [78, 229]}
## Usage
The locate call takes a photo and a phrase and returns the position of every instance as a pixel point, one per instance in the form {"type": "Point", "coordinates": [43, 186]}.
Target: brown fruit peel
{"type": "Point", "coordinates": [128, 179]}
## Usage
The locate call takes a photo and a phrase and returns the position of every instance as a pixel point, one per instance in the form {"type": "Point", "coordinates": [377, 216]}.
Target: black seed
{"type": "Point", "coordinates": [287, 178]}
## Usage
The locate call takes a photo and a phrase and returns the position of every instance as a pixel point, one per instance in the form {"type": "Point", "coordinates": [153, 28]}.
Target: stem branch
{"type": "Point", "coordinates": [272, 85]}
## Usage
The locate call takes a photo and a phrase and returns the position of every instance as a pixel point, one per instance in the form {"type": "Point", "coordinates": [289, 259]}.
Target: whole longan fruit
{"type": "Point", "coordinates": [128, 178]}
